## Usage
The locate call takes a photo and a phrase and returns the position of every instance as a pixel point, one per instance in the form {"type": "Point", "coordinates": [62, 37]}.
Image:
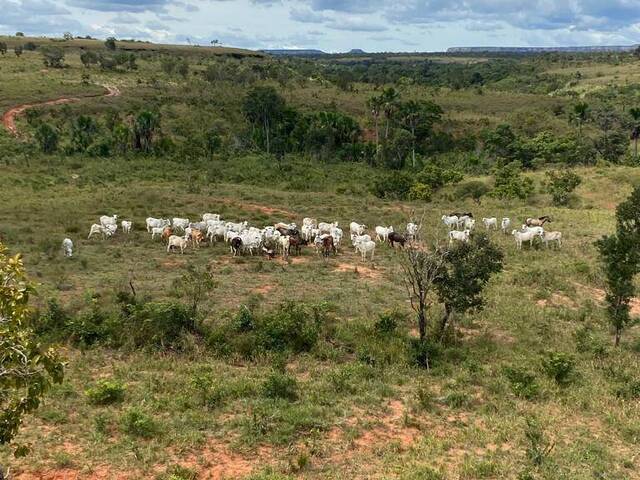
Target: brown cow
{"type": "Point", "coordinates": [196, 237]}
{"type": "Point", "coordinates": [328, 246]}
{"type": "Point", "coordinates": [166, 233]}
{"type": "Point", "coordinates": [395, 237]}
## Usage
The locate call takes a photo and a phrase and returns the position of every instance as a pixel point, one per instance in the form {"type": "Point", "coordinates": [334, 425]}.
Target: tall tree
{"type": "Point", "coordinates": [418, 117]}
{"type": "Point", "coordinates": [263, 107]}
{"type": "Point", "coordinates": [620, 255]}
{"type": "Point", "coordinates": [144, 129]}
{"type": "Point", "coordinates": [389, 99]}
{"type": "Point", "coordinates": [635, 130]}
{"type": "Point", "coordinates": [580, 115]}
{"type": "Point", "coordinates": [27, 369]}
{"type": "Point", "coordinates": [375, 107]}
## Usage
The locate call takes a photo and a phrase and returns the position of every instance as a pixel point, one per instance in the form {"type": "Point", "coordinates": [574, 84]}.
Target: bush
{"type": "Point", "coordinates": [420, 191]}
{"type": "Point", "coordinates": [559, 367]}
{"type": "Point", "coordinates": [395, 185]}
{"type": "Point", "coordinates": [137, 423]}
{"type": "Point", "coordinates": [160, 325]}
{"type": "Point", "coordinates": [106, 392]}
{"type": "Point", "coordinates": [47, 138]}
{"type": "Point", "coordinates": [280, 385]}
{"type": "Point", "coordinates": [89, 328]}
{"type": "Point", "coordinates": [388, 322]}
{"type": "Point", "coordinates": [523, 383]}
{"type": "Point", "coordinates": [52, 57]}
{"type": "Point", "coordinates": [509, 183]}
{"type": "Point", "coordinates": [561, 185]}
{"type": "Point", "coordinates": [474, 189]}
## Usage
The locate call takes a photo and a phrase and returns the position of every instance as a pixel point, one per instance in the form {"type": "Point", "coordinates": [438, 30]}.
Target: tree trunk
{"type": "Point", "coordinates": [422, 322]}
{"type": "Point", "coordinates": [617, 339]}
{"type": "Point", "coordinates": [635, 148]}
{"type": "Point", "coordinates": [413, 148]}
{"type": "Point", "coordinates": [444, 321]}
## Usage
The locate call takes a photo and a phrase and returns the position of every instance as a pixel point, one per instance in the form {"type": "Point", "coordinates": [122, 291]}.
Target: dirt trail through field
{"type": "Point", "coordinates": [9, 117]}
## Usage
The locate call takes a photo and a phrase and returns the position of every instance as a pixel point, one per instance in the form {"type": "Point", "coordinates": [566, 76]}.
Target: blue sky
{"type": "Point", "coordinates": [335, 25]}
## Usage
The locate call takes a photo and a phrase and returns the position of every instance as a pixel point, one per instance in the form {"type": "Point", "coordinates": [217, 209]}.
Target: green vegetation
{"type": "Point", "coordinates": [181, 366]}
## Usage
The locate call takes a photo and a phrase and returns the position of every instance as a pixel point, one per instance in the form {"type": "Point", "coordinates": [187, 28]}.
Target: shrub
{"type": "Point", "coordinates": [89, 328]}
{"type": "Point", "coordinates": [388, 322]}
{"type": "Point", "coordinates": [559, 367]}
{"type": "Point", "coordinates": [53, 321]}
{"type": "Point", "coordinates": [106, 392]}
{"type": "Point", "coordinates": [280, 385]}
{"type": "Point", "coordinates": [420, 191]}
{"type": "Point", "coordinates": [137, 423]}
{"type": "Point", "coordinates": [561, 185]}
{"type": "Point", "coordinates": [52, 57]}
{"type": "Point", "coordinates": [160, 325]}
{"type": "Point", "coordinates": [209, 392]}
{"type": "Point", "coordinates": [395, 185]}
{"type": "Point", "coordinates": [509, 182]}
{"type": "Point", "coordinates": [474, 189]}
{"type": "Point", "coordinates": [47, 138]}
{"type": "Point", "coordinates": [523, 383]}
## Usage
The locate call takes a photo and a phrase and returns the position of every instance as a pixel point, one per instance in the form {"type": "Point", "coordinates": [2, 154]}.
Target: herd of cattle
{"type": "Point", "coordinates": [326, 238]}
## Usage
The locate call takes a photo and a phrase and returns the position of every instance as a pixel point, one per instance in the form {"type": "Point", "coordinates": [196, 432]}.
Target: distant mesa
{"type": "Point", "coordinates": [595, 48]}
{"type": "Point", "coordinates": [356, 51]}
{"type": "Point", "coordinates": [294, 52]}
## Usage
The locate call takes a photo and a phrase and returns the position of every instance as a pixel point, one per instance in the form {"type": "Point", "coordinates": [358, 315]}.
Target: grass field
{"type": "Point", "coordinates": [354, 405]}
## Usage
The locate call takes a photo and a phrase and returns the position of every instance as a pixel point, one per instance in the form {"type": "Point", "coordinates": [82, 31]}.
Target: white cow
{"type": "Point", "coordinates": [126, 226]}
{"type": "Point", "coordinates": [490, 223]}
{"type": "Point", "coordinates": [337, 235]}
{"type": "Point", "coordinates": [505, 224]}
{"type": "Point", "coordinates": [356, 228]}
{"type": "Point", "coordinates": [284, 246]}
{"type": "Point", "coordinates": [526, 236]}
{"type": "Point", "coordinates": [461, 236]}
{"type": "Point", "coordinates": [106, 220]}
{"type": "Point", "coordinates": [552, 237]}
{"type": "Point", "coordinates": [104, 231]}
{"type": "Point", "coordinates": [207, 217]}
{"type": "Point", "coordinates": [311, 222]}
{"type": "Point", "coordinates": [364, 247]}
{"type": "Point", "coordinates": [176, 241]}
{"type": "Point", "coordinates": [215, 232]}
{"type": "Point", "coordinates": [537, 230]}
{"type": "Point", "coordinates": [67, 246]}
{"type": "Point", "coordinates": [157, 223]}
{"type": "Point", "coordinates": [325, 227]}
{"type": "Point", "coordinates": [156, 231]}
{"type": "Point", "coordinates": [412, 231]}
{"type": "Point", "coordinates": [180, 223]}
{"type": "Point", "coordinates": [450, 221]}
{"type": "Point", "coordinates": [382, 233]}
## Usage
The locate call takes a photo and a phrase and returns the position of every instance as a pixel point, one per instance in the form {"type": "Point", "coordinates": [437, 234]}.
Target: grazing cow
{"type": "Point", "coordinates": [552, 237]}
{"type": "Point", "coordinates": [506, 223]}
{"type": "Point", "coordinates": [108, 220]}
{"type": "Point", "coordinates": [196, 236]}
{"type": "Point", "coordinates": [526, 236]}
{"type": "Point", "coordinates": [296, 243]}
{"type": "Point", "coordinates": [337, 235]}
{"type": "Point", "coordinates": [208, 217]}
{"type": "Point", "coordinates": [215, 232]}
{"type": "Point", "coordinates": [180, 223]}
{"type": "Point", "coordinates": [328, 247]}
{"type": "Point", "coordinates": [450, 221]}
{"type": "Point", "coordinates": [490, 223]}
{"type": "Point", "coordinates": [538, 222]}
{"type": "Point", "coordinates": [157, 223]}
{"type": "Point", "coordinates": [166, 233]}
{"type": "Point", "coordinates": [364, 247]}
{"type": "Point", "coordinates": [236, 246]}
{"type": "Point", "coordinates": [67, 246]}
{"type": "Point", "coordinates": [176, 241]}
{"type": "Point", "coordinates": [459, 236]}
{"type": "Point", "coordinates": [284, 245]}
{"type": "Point", "coordinates": [382, 233]}
{"type": "Point", "coordinates": [395, 237]}
{"type": "Point", "coordinates": [412, 231]}
{"type": "Point", "coordinates": [105, 231]}
{"type": "Point", "coordinates": [459, 214]}
{"type": "Point", "coordinates": [325, 227]}
{"type": "Point", "coordinates": [356, 228]}
{"type": "Point", "coordinates": [126, 226]}
{"type": "Point", "coordinates": [359, 238]}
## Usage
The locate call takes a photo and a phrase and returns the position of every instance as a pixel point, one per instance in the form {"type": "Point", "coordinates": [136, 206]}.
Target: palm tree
{"type": "Point", "coordinates": [635, 131]}
{"type": "Point", "coordinates": [144, 128]}
{"type": "Point", "coordinates": [375, 105]}
{"type": "Point", "coordinates": [580, 115]}
{"type": "Point", "coordinates": [389, 105]}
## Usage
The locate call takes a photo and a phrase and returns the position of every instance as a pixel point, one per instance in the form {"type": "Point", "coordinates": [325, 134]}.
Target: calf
{"type": "Point", "coordinates": [552, 237]}
{"type": "Point", "coordinates": [459, 236]}
{"type": "Point", "coordinates": [236, 246]}
{"type": "Point", "coordinates": [505, 224]}
{"type": "Point", "coordinates": [67, 246]}
{"type": "Point", "coordinates": [126, 226]}
{"type": "Point", "coordinates": [395, 237]}
{"type": "Point", "coordinates": [328, 247]}
{"type": "Point", "coordinates": [176, 241]}
{"type": "Point", "coordinates": [490, 223]}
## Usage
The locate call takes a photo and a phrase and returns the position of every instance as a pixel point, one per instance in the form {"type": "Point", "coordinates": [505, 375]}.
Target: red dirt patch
{"type": "Point", "coordinates": [9, 117]}
{"type": "Point", "coordinates": [599, 296]}
{"type": "Point", "coordinates": [558, 300]}
{"type": "Point", "coordinates": [361, 270]}
{"type": "Point", "coordinates": [263, 208]}
{"type": "Point", "coordinates": [264, 289]}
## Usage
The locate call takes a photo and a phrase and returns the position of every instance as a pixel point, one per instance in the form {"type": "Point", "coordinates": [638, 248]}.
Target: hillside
{"type": "Point", "coordinates": [212, 365]}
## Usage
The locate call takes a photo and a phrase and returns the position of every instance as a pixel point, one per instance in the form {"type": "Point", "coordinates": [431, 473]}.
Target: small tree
{"type": "Point", "coordinates": [182, 68]}
{"type": "Point", "coordinates": [580, 115]}
{"type": "Point", "coordinates": [27, 370]}
{"type": "Point", "coordinates": [620, 254]}
{"type": "Point", "coordinates": [263, 107]}
{"type": "Point", "coordinates": [52, 57]}
{"type": "Point", "coordinates": [89, 58]}
{"type": "Point", "coordinates": [467, 270]}
{"type": "Point", "coordinates": [110, 43]}
{"type": "Point", "coordinates": [144, 130]}
{"type": "Point", "coordinates": [19, 34]}
{"type": "Point", "coordinates": [509, 182]}
{"type": "Point", "coordinates": [561, 185]}
{"type": "Point", "coordinates": [3, 48]}
{"type": "Point", "coordinates": [83, 132]}
{"type": "Point", "coordinates": [17, 50]}
{"type": "Point", "coordinates": [47, 138]}
{"type": "Point", "coordinates": [67, 36]}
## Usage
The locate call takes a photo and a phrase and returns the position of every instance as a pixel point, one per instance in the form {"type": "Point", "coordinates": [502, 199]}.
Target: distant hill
{"type": "Point", "coordinates": [128, 45]}
{"type": "Point", "coordinates": [294, 52]}
{"type": "Point", "coordinates": [596, 48]}
{"type": "Point", "coordinates": [356, 51]}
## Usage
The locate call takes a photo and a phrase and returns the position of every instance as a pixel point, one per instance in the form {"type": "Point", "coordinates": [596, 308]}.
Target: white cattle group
{"type": "Point", "coordinates": [285, 238]}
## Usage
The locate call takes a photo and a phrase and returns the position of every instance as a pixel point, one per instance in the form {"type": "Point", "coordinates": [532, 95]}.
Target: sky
{"type": "Point", "coordinates": [335, 25]}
